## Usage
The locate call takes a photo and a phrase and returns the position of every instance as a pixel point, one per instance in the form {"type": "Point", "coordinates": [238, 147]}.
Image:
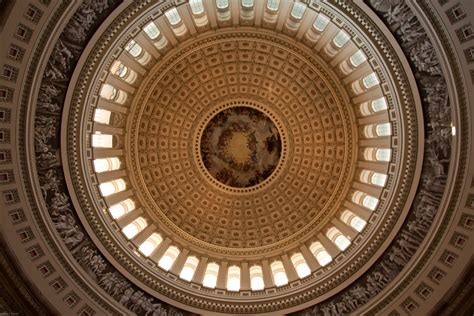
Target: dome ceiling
{"type": "Point", "coordinates": [244, 157]}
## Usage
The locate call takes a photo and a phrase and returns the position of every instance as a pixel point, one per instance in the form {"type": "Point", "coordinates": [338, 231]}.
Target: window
{"type": "Point", "coordinates": [173, 16]}
{"type": "Point", "coordinates": [298, 10]}
{"type": "Point", "coordinates": [383, 154]}
{"type": "Point", "coordinates": [196, 6]}
{"type": "Point", "coordinates": [384, 129]}
{"type": "Point", "coordinates": [353, 220]}
{"type": "Point", "coordinates": [370, 202]}
{"type": "Point", "coordinates": [321, 255]}
{"type": "Point", "coordinates": [321, 22]}
{"type": "Point", "coordinates": [102, 116]}
{"type": "Point", "coordinates": [300, 265]}
{"type": "Point", "coordinates": [108, 92]}
{"type": "Point", "coordinates": [122, 208]}
{"type": "Point", "coordinates": [379, 104]}
{"type": "Point", "coordinates": [341, 241]}
{"type": "Point", "coordinates": [102, 140]}
{"type": "Point", "coordinates": [166, 262]}
{"type": "Point", "coordinates": [150, 244]}
{"type": "Point", "coordinates": [106, 164]}
{"type": "Point", "coordinates": [132, 229]}
{"type": "Point", "coordinates": [210, 276]}
{"type": "Point", "coordinates": [123, 72]}
{"type": "Point", "coordinates": [247, 3]}
{"type": "Point", "coordinates": [370, 80]}
{"type": "Point", "coordinates": [358, 58]}
{"type": "Point", "coordinates": [233, 278]}
{"type": "Point", "coordinates": [151, 30]}
{"type": "Point", "coordinates": [222, 4]}
{"type": "Point", "coordinates": [256, 278]}
{"type": "Point", "coordinates": [112, 187]}
{"type": "Point", "coordinates": [341, 39]}
{"type": "Point", "coordinates": [133, 48]}
{"type": "Point", "coordinates": [273, 5]}
{"type": "Point", "coordinates": [279, 274]}
{"type": "Point", "coordinates": [189, 268]}
{"type": "Point", "coordinates": [378, 179]}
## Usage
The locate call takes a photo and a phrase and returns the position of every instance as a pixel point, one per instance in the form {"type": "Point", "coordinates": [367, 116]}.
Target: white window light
{"type": "Point", "coordinates": [379, 104]}
{"type": "Point", "coordinates": [151, 30]}
{"type": "Point", "coordinates": [383, 154]}
{"type": "Point", "coordinates": [370, 202]}
{"type": "Point", "coordinates": [121, 208]}
{"type": "Point", "coordinates": [133, 48]}
{"type": "Point", "coordinates": [106, 164]}
{"type": "Point", "coordinates": [321, 22]}
{"type": "Point", "coordinates": [102, 140]}
{"type": "Point", "coordinates": [102, 116]}
{"type": "Point", "coordinates": [384, 129]}
{"type": "Point", "coordinates": [210, 276]}
{"type": "Point", "coordinates": [108, 92]}
{"type": "Point", "coordinates": [119, 69]}
{"type": "Point", "coordinates": [370, 81]}
{"type": "Point", "coordinates": [166, 262]}
{"type": "Point", "coordinates": [378, 179]}
{"type": "Point", "coordinates": [233, 278]}
{"type": "Point", "coordinates": [247, 3]}
{"type": "Point", "coordinates": [321, 255]}
{"type": "Point", "coordinates": [358, 223]}
{"type": "Point", "coordinates": [341, 39]}
{"type": "Point", "coordinates": [132, 229]}
{"type": "Point", "coordinates": [196, 6]}
{"type": "Point", "coordinates": [112, 187]}
{"type": "Point", "coordinates": [301, 267]}
{"type": "Point", "coordinates": [150, 244]}
{"type": "Point", "coordinates": [273, 5]}
{"type": "Point", "coordinates": [173, 16]}
{"type": "Point", "coordinates": [358, 58]}
{"type": "Point", "coordinates": [341, 241]}
{"type": "Point", "coordinates": [298, 10]}
{"type": "Point", "coordinates": [189, 268]}
{"type": "Point", "coordinates": [222, 4]}
{"type": "Point", "coordinates": [256, 278]}
{"type": "Point", "coordinates": [279, 274]}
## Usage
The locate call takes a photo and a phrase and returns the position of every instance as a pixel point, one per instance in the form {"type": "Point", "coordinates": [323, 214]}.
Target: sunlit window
{"type": "Point", "coordinates": [122, 208]}
{"type": "Point", "coordinates": [378, 179]}
{"type": "Point", "coordinates": [189, 268]}
{"type": "Point", "coordinates": [166, 262]}
{"type": "Point", "coordinates": [370, 81]}
{"type": "Point", "coordinates": [383, 154]}
{"type": "Point", "coordinates": [357, 223]}
{"type": "Point", "coordinates": [196, 6]}
{"type": "Point", "coordinates": [247, 3]}
{"type": "Point", "coordinates": [222, 4]}
{"type": "Point", "coordinates": [279, 274]}
{"type": "Point", "coordinates": [210, 276]}
{"type": "Point", "coordinates": [108, 92]}
{"type": "Point", "coordinates": [106, 164]}
{"type": "Point", "coordinates": [273, 5]}
{"type": "Point", "coordinates": [341, 39]}
{"type": "Point", "coordinates": [341, 241]}
{"type": "Point", "coordinates": [300, 265]}
{"type": "Point", "coordinates": [150, 244]}
{"type": "Point", "coordinates": [119, 69]}
{"type": "Point", "coordinates": [321, 22]}
{"type": "Point", "coordinates": [256, 278]}
{"type": "Point", "coordinates": [298, 10]}
{"type": "Point", "coordinates": [151, 30]}
{"type": "Point", "coordinates": [384, 129]}
{"type": "Point", "coordinates": [132, 229]}
{"type": "Point", "coordinates": [112, 187]}
{"type": "Point", "coordinates": [358, 58]}
{"type": "Point", "coordinates": [102, 140]}
{"type": "Point", "coordinates": [173, 16]}
{"type": "Point", "coordinates": [133, 48]}
{"type": "Point", "coordinates": [379, 104]}
{"type": "Point", "coordinates": [102, 116]}
{"type": "Point", "coordinates": [233, 278]}
{"type": "Point", "coordinates": [321, 255]}
{"type": "Point", "coordinates": [370, 202]}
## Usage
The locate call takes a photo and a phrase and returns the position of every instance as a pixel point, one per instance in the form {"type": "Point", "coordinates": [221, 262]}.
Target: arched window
{"type": "Point", "coordinates": [150, 244]}
{"type": "Point", "coordinates": [112, 187]}
{"type": "Point", "coordinates": [100, 140]}
{"type": "Point", "coordinates": [196, 6]}
{"type": "Point", "coordinates": [298, 10]}
{"type": "Point", "coordinates": [379, 104]}
{"type": "Point", "coordinates": [233, 278]}
{"type": "Point", "coordinates": [151, 30]}
{"type": "Point", "coordinates": [341, 241]}
{"type": "Point", "coordinates": [189, 268]}
{"type": "Point", "coordinates": [256, 278]}
{"type": "Point", "coordinates": [383, 154]}
{"type": "Point", "coordinates": [370, 81]}
{"type": "Point", "coordinates": [106, 164]}
{"type": "Point", "coordinates": [132, 229]}
{"type": "Point", "coordinates": [279, 274]}
{"type": "Point", "coordinates": [321, 255]}
{"type": "Point", "coordinates": [173, 16]}
{"type": "Point", "coordinates": [110, 93]}
{"type": "Point", "coordinates": [384, 129]}
{"type": "Point", "coordinates": [353, 220]}
{"type": "Point", "coordinates": [122, 208]}
{"type": "Point", "coordinates": [378, 179]}
{"type": "Point", "coordinates": [133, 48]}
{"type": "Point", "coordinates": [370, 202]}
{"type": "Point", "coordinates": [321, 22]}
{"type": "Point", "coordinates": [273, 5]}
{"type": "Point", "coordinates": [123, 72]}
{"type": "Point", "coordinates": [210, 276]}
{"type": "Point", "coordinates": [247, 3]}
{"type": "Point", "coordinates": [358, 58]}
{"type": "Point", "coordinates": [102, 116]}
{"type": "Point", "coordinates": [166, 262]}
{"type": "Point", "coordinates": [341, 39]}
{"type": "Point", "coordinates": [222, 4]}
{"type": "Point", "coordinates": [300, 265]}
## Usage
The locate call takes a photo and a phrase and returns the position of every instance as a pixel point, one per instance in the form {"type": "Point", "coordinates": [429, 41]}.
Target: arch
{"type": "Point", "coordinates": [196, 6]}
{"type": "Point", "coordinates": [134, 49]}
{"type": "Point", "coordinates": [256, 278]}
{"type": "Point", "coordinates": [320, 253]}
{"type": "Point", "coordinates": [247, 3]}
{"type": "Point", "coordinates": [350, 219]}
{"type": "Point", "coordinates": [121, 208]}
{"type": "Point", "coordinates": [341, 241]}
{"type": "Point", "coordinates": [358, 58]}
{"type": "Point", "coordinates": [233, 278]}
{"type": "Point", "coordinates": [222, 4]}
{"type": "Point", "coordinates": [273, 5]}
{"type": "Point", "coordinates": [278, 273]}
{"type": "Point", "coordinates": [173, 16]}
{"type": "Point", "coordinates": [301, 267]}
{"type": "Point", "coordinates": [106, 164]}
{"type": "Point", "coordinates": [341, 39]}
{"type": "Point", "coordinates": [168, 259]}
{"type": "Point", "coordinates": [112, 187]}
{"type": "Point", "coordinates": [123, 72]}
{"type": "Point", "coordinates": [154, 34]}
{"type": "Point", "coordinates": [189, 268]}
{"type": "Point", "coordinates": [321, 22]}
{"type": "Point", "coordinates": [132, 229]}
{"type": "Point", "coordinates": [298, 10]}
{"type": "Point", "coordinates": [370, 80]}
{"type": "Point", "coordinates": [210, 276]}
{"type": "Point", "coordinates": [111, 93]}
{"type": "Point", "coordinates": [150, 244]}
